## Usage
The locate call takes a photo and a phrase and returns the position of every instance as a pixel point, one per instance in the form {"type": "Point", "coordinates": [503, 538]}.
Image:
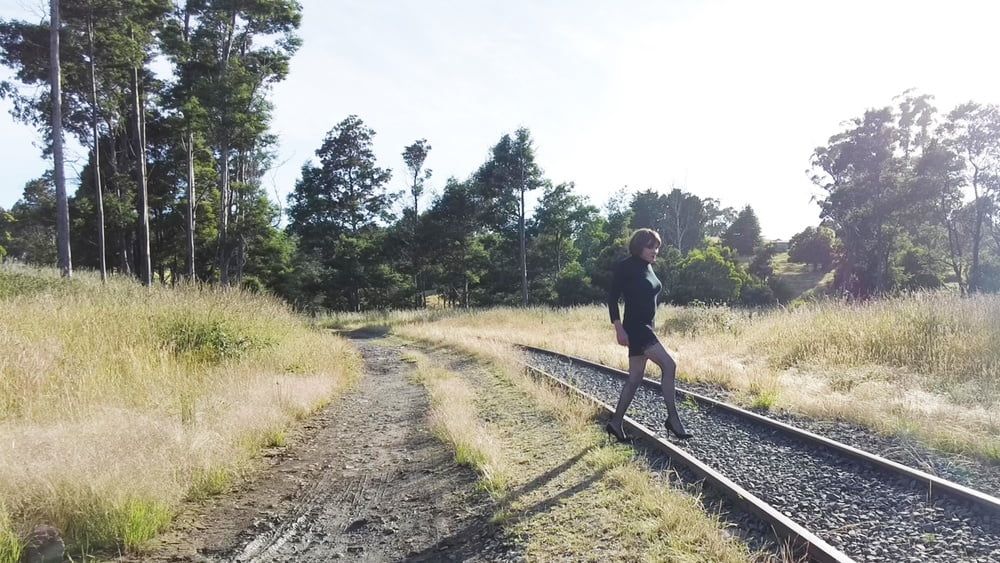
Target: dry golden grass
{"type": "Point", "coordinates": [568, 493]}
{"type": "Point", "coordinates": [453, 420]}
{"type": "Point", "coordinates": [926, 365]}
{"type": "Point", "coordinates": [117, 401]}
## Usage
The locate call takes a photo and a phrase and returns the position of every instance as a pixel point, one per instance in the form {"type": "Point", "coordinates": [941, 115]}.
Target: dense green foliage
{"type": "Point", "coordinates": [743, 235]}
{"type": "Point", "coordinates": [895, 182]}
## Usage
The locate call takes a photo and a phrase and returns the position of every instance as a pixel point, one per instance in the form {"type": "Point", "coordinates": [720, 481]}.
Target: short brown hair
{"type": "Point", "coordinates": [643, 238]}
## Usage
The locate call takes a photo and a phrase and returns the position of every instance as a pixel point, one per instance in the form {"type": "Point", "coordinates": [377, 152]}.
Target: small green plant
{"type": "Point", "coordinates": [126, 524]}
{"type": "Point", "coordinates": [208, 341]}
{"type": "Point", "coordinates": [11, 545]}
{"type": "Point", "coordinates": [275, 439]}
{"type": "Point", "coordinates": [138, 520]}
{"type": "Point", "coordinates": [209, 482]}
{"type": "Point", "coordinates": [764, 399]}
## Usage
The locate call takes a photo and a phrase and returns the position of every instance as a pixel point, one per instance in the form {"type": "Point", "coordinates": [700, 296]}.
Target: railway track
{"type": "Point", "coordinates": [830, 500]}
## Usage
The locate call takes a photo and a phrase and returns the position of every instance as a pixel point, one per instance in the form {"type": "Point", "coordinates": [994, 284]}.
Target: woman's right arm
{"type": "Point", "coordinates": [615, 293]}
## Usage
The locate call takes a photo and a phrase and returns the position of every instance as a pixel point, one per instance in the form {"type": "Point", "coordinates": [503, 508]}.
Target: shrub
{"type": "Point", "coordinates": [709, 276]}
{"type": "Point", "coordinates": [210, 341]}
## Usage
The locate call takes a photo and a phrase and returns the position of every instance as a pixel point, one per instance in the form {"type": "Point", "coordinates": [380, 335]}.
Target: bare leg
{"type": "Point", "coordinates": [636, 369]}
{"type": "Point", "coordinates": [668, 368]}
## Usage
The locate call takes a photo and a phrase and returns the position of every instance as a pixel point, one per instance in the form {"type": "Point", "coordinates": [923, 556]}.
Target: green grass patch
{"type": "Point", "coordinates": [11, 545]}
{"type": "Point", "coordinates": [19, 282]}
{"type": "Point", "coordinates": [801, 279]}
{"type": "Point", "coordinates": [764, 400]}
{"type": "Point", "coordinates": [126, 525]}
{"type": "Point", "coordinates": [209, 340]}
{"type": "Point", "coordinates": [210, 482]}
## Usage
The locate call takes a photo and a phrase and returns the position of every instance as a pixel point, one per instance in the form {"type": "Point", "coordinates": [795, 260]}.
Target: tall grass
{"type": "Point", "coordinates": [119, 401]}
{"type": "Point", "coordinates": [609, 507]}
{"type": "Point", "coordinates": [453, 420]}
{"type": "Point", "coordinates": [925, 365]}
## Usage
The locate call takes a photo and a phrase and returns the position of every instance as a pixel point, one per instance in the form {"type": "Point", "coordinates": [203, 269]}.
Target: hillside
{"type": "Point", "coordinates": [801, 278]}
{"type": "Point", "coordinates": [120, 401]}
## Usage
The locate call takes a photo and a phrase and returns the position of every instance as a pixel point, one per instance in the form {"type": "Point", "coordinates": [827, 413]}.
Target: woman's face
{"type": "Point", "coordinates": [649, 253]}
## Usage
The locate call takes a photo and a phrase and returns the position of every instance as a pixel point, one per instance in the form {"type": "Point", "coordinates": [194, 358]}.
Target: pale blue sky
{"type": "Point", "coordinates": [723, 99]}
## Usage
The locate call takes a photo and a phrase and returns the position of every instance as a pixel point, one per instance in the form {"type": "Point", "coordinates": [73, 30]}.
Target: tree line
{"type": "Point", "coordinates": [172, 189]}
{"type": "Point", "coordinates": [172, 186]}
{"type": "Point", "coordinates": [911, 195]}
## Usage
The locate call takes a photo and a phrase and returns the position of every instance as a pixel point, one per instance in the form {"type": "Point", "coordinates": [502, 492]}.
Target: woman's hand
{"type": "Point", "coordinates": [620, 334]}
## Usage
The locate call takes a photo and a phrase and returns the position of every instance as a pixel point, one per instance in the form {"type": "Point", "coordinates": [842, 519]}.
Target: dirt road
{"type": "Point", "coordinates": [364, 480]}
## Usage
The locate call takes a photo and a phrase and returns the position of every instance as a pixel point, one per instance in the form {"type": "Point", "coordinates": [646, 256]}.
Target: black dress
{"type": "Point", "coordinates": [634, 279]}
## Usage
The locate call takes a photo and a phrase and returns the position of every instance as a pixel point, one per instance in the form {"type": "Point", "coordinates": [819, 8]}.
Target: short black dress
{"type": "Point", "coordinates": [635, 281]}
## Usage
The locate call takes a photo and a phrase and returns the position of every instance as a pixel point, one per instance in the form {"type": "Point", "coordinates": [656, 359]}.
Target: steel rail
{"type": "Point", "coordinates": [935, 485]}
{"type": "Point", "coordinates": [799, 537]}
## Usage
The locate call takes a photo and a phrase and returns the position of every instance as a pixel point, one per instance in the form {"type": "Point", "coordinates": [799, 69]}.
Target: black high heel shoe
{"type": "Point", "coordinates": [681, 434]}
{"type": "Point", "coordinates": [619, 433]}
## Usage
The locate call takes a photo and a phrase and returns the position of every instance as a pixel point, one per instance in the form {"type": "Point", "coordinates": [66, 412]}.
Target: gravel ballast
{"type": "Point", "coordinates": [868, 513]}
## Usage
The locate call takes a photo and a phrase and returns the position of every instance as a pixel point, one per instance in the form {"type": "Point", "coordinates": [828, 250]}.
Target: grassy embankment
{"type": "Point", "coordinates": [926, 366]}
{"type": "Point", "coordinates": [561, 488]}
{"type": "Point", "coordinates": [117, 402]}
{"type": "Point", "coordinates": [803, 281]}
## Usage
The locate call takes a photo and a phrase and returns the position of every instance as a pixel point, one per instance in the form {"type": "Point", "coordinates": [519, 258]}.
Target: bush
{"type": "Point", "coordinates": [210, 341]}
{"type": "Point", "coordinates": [782, 290]}
{"type": "Point", "coordinates": [707, 275]}
{"type": "Point", "coordinates": [756, 293]}
{"type": "Point", "coordinates": [573, 287]}
{"type": "Point", "coordinates": [814, 246]}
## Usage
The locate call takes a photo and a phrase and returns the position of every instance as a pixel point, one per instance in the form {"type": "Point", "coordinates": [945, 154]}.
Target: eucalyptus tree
{"type": "Point", "coordinates": [452, 232]}
{"type": "Point", "coordinates": [414, 156]}
{"type": "Point", "coordinates": [33, 51]}
{"type": "Point", "coordinates": [941, 172]}
{"type": "Point", "coordinates": [337, 209]}
{"type": "Point", "coordinates": [181, 98]}
{"type": "Point", "coordinates": [59, 174]}
{"type": "Point", "coordinates": [235, 51]}
{"type": "Point", "coordinates": [743, 234]}
{"type": "Point", "coordinates": [105, 46]}
{"type": "Point", "coordinates": [861, 173]}
{"type": "Point", "coordinates": [561, 218]}
{"type": "Point", "coordinates": [680, 217]}
{"type": "Point", "coordinates": [502, 183]}
{"type": "Point", "coordinates": [972, 131]}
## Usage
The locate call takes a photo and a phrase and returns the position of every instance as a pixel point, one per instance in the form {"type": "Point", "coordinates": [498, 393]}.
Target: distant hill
{"type": "Point", "coordinates": [801, 278]}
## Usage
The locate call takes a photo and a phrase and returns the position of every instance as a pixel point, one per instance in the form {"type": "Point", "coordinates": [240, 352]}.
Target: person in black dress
{"type": "Point", "coordinates": [635, 281]}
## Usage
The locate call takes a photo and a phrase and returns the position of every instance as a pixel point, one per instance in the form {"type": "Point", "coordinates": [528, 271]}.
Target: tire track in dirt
{"type": "Point", "coordinates": [365, 481]}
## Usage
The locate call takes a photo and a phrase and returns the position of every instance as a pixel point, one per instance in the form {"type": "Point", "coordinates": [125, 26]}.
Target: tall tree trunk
{"type": "Point", "coordinates": [139, 150]}
{"type": "Point", "coordinates": [190, 205]}
{"type": "Point", "coordinates": [520, 223]}
{"type": "Point", "coordinates": [955, 250]}
{"type": "Point", "coordinates": [98, 189]}
{"type": "Point", "coordinates": [124, 259]}
{"type": "Point", "coordinates": [62, 203]}
{"type": "Point", "coordinates": [190, 166]}
{"type": "Point", "coordinates": [975, 283]}
{"type": "Point", "coordinates": [224, 155]}
{"type": "Point", "coordinates": [223, 256]}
